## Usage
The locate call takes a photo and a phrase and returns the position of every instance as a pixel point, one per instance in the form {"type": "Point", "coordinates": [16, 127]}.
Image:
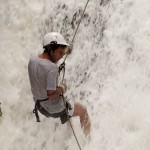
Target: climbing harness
{"type": "Point", "coordinates": [41, 109]}
{"type": "Point", "coordinates": [62, 115]}
{"type": "Point", "coordinates": [62, 68]}
{"type": "Point", "coordinates": [0, 110]}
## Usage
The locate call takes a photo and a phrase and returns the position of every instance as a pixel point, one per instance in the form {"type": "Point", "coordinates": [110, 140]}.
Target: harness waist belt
{"type": "Point", "coordinates": [35, 110]}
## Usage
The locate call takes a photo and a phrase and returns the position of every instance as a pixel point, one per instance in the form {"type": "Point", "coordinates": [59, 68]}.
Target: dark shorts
{"type": "Point", "coordinates": [63, 115]}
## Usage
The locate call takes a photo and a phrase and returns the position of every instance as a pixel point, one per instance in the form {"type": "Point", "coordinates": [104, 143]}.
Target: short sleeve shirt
{"type": "Point", "coordinates": [43, 75]}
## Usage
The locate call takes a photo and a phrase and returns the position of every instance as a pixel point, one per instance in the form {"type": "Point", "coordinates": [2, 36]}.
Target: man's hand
{"type": "Point", "coordinates": [63, 86]}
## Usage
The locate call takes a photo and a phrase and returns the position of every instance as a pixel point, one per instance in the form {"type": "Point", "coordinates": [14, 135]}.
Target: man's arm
{"type": "Point", "coordinates": [53, 94]}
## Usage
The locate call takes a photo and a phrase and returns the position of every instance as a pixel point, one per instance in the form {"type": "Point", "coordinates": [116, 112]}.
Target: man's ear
{"type": "Point", "coordinates": [49, 49]}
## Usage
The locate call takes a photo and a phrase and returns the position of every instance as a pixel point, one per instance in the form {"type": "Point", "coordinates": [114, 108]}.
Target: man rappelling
{"type": "Point", "coordinates": [47, 92]}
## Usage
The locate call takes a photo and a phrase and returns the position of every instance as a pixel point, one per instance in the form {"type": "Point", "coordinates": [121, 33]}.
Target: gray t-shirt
{"type": "Point", "coordinates": [43, 75]}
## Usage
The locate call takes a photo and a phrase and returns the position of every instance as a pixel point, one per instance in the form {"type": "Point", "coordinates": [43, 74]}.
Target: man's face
{"type": "Point", "coordinates": [58, 54]}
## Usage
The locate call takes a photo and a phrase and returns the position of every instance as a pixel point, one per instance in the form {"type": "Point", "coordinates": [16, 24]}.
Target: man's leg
{"type": "Point", "coordinates": [81, 111]}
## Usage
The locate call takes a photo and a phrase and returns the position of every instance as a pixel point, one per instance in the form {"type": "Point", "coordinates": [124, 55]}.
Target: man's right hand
{"type": "Point", "coordinates": [63, 86]}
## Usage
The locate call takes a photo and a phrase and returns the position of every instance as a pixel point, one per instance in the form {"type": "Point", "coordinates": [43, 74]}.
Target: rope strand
{"type": "Point", "coordinates": [77, 27]}
{"type": "Point", "coordinates": [62, 67]}
{"type": "Point", "coordinates": [71, 124]}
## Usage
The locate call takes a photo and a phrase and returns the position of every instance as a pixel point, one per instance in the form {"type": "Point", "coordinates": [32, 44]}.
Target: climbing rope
{"type": "Point", "coordinates": [62, 67]}
{"type": "Point", "coordinates": [70, 123]}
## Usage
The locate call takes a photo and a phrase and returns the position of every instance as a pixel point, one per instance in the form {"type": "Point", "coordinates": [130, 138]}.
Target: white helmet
{"type": "Point", "coordinates": [54, 37]}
